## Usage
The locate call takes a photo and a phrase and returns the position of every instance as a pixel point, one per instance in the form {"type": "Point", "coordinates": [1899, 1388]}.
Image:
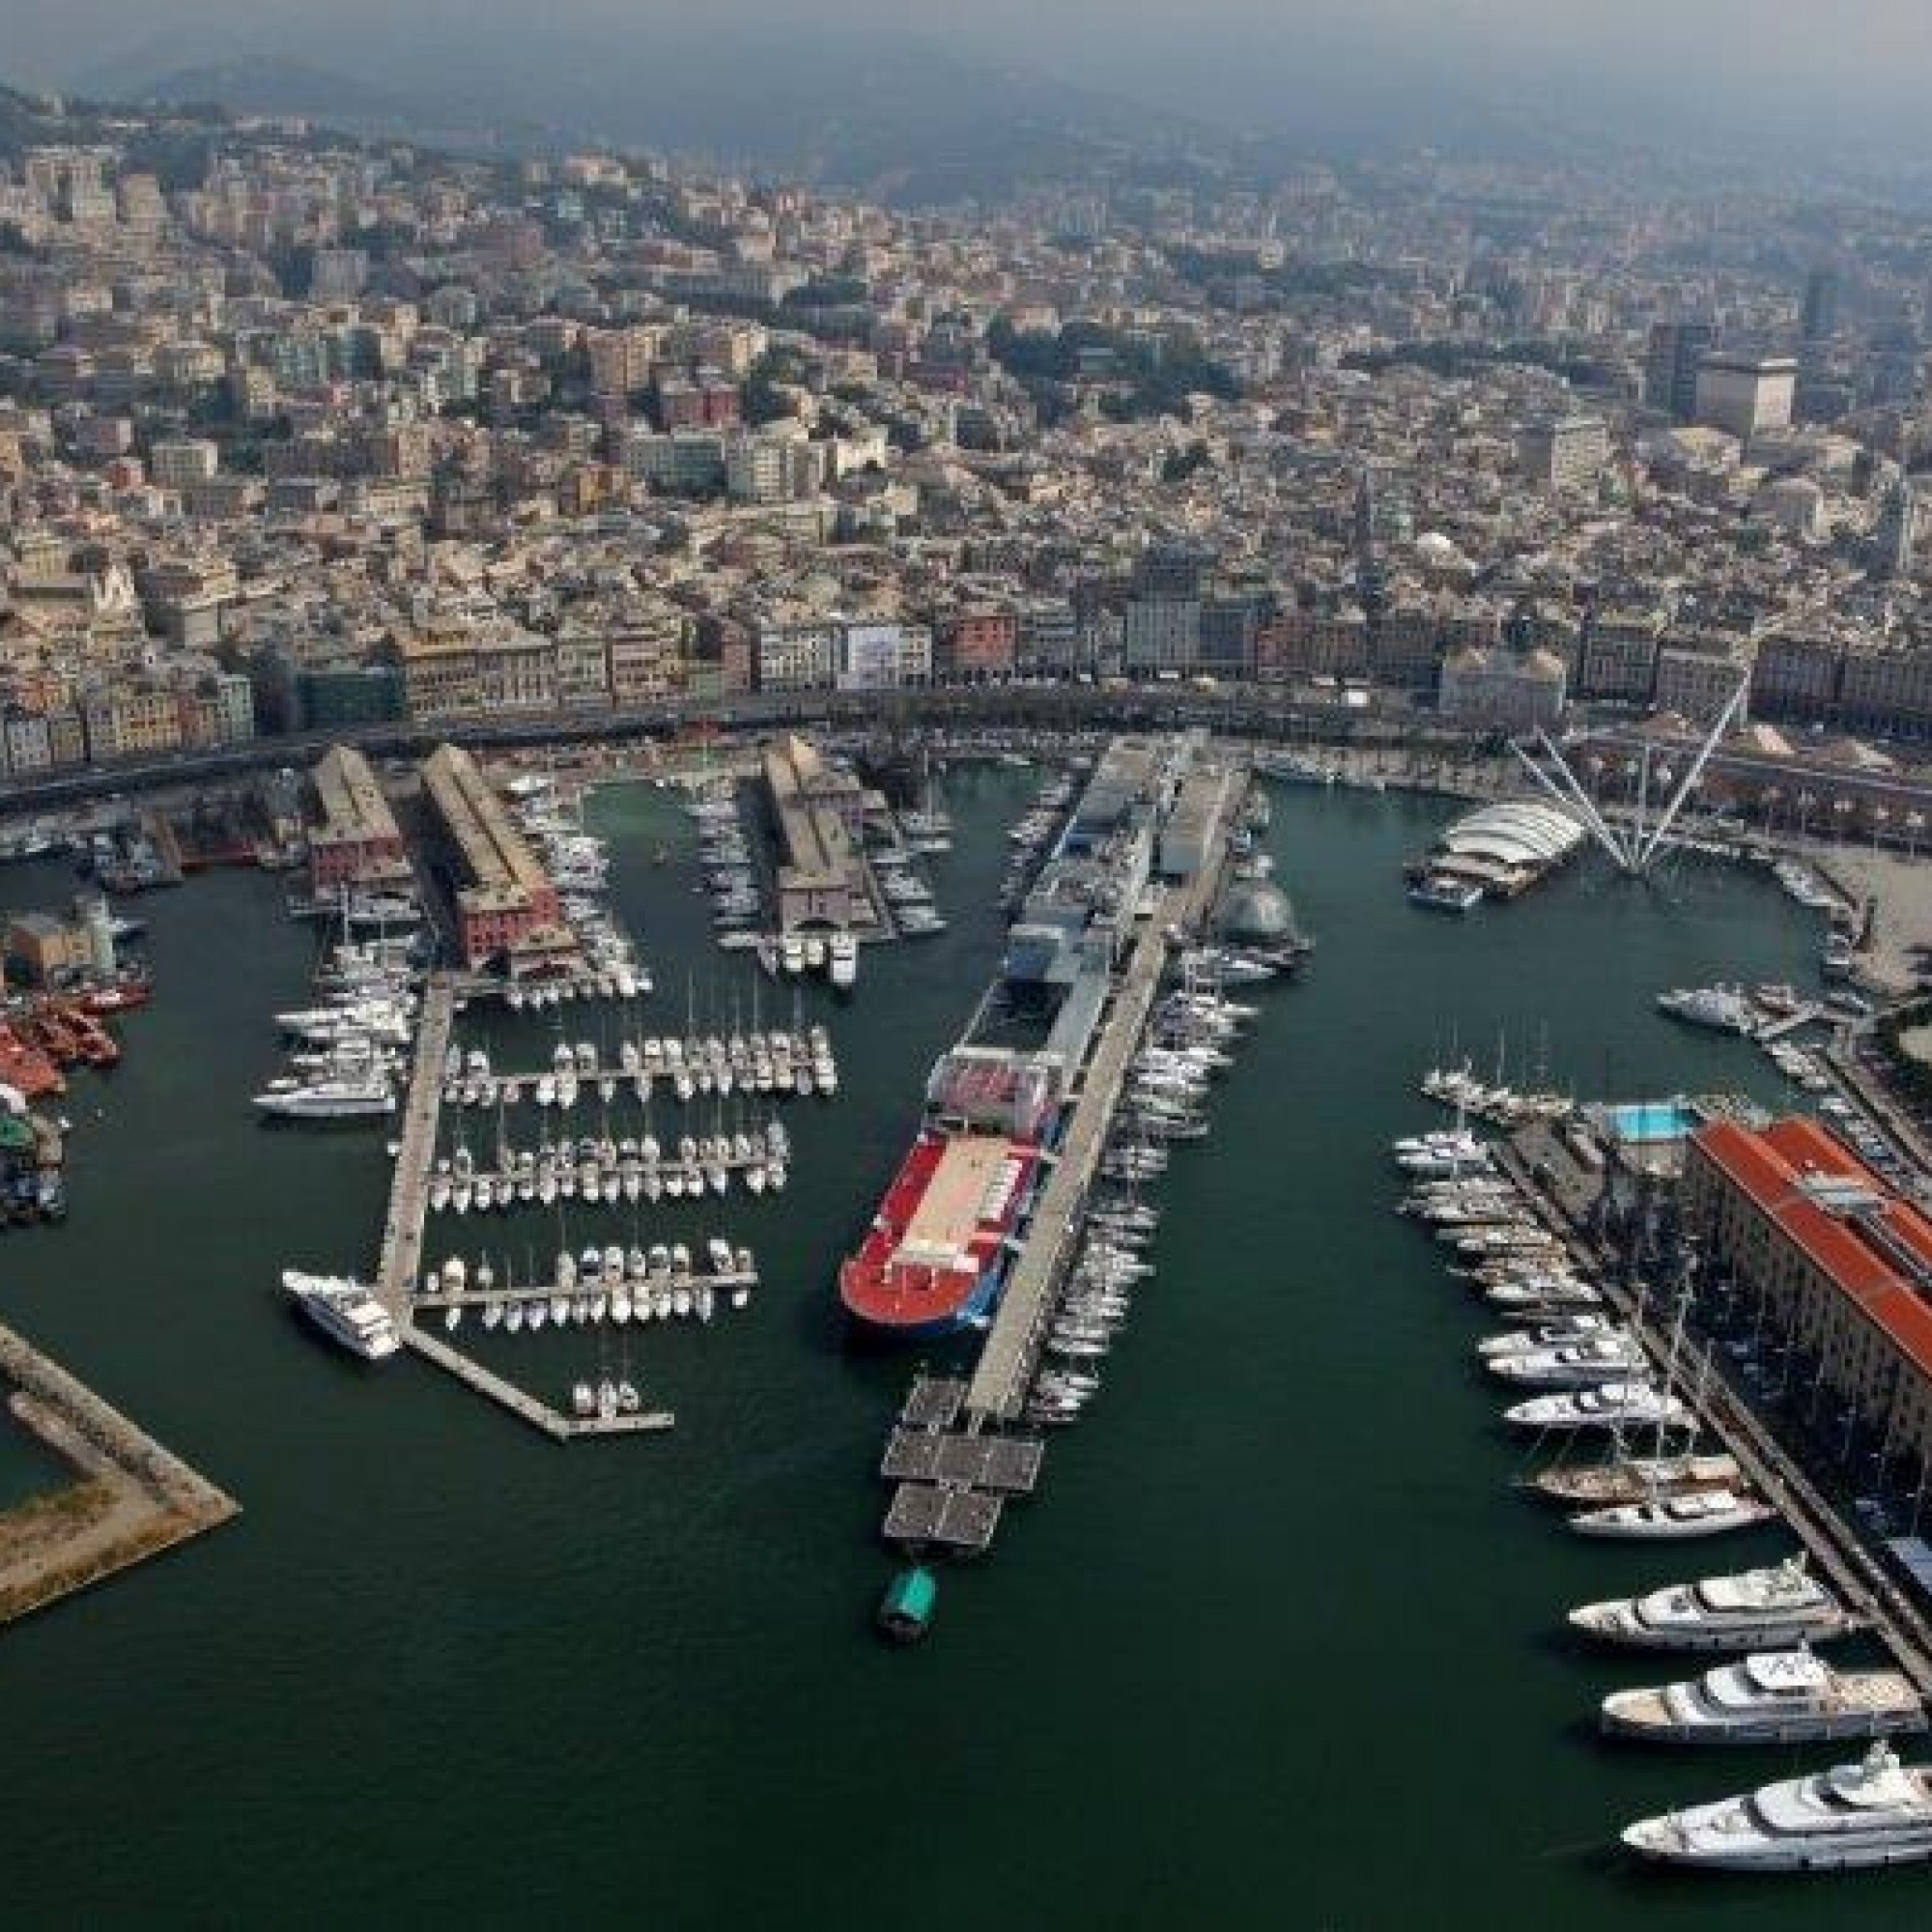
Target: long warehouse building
{"type": "Point", "coordinates": [506, 904]}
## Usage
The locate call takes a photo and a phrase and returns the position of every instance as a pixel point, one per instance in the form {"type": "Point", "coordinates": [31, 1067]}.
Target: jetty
{"type": "Point", "coordinates": [950, 1456]}
{"type": "Point", "coordinates": [131, 1498]}
{"type": "Point", "coordinates": [526, 1408]}
{"type": "Point", "coordinates": [998, 1389]}
{"type": "Point", "coordinates": [400, 1264]}
{"type": "Point", "coordinates": [399, 1268]}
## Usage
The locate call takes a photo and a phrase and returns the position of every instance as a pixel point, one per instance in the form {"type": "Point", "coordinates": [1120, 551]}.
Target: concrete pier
{"type": "Point", "coordinates": [399, 1266]}
{"type": "Point", "coordinates": [952, 1461]}
{"type": "Point", "coordinates": [998, 1389]}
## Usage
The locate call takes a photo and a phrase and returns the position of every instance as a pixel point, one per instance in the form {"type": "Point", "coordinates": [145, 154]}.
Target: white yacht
{"type": "Point", "coordinates": [1557, 1334]}
{"type": "Point", "coordinates": [1771, 1698]}
{"type": "Point", "coordinates": [345, 1311]}
{"type": "Point", "coordinates": [1616, 1404]}
{"type": "Point", "coordinates": [1666, 1518]}
{"type": "Point", "coordinates": [1875, 1812]}
{"type": "Point", "coordinates": [1721, 1009]}
{"type": "Point", "coordinates": [1784, 1603]}
{"type": "Point", "coordinates": [843, 955]}
{"type": "Point", "coordinates": [346, 1099]}
{"type": "Point", "coordinates": [1589, 1363]}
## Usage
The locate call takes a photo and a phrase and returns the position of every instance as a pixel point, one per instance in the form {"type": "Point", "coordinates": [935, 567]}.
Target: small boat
{"type": "Point", "coordinates": [905, 1611]}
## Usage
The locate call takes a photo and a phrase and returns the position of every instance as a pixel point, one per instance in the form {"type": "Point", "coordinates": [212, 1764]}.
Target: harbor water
{"type": "Point", "coordinates": [1276, 1644]}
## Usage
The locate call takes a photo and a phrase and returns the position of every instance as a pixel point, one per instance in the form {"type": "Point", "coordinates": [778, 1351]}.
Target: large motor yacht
{"type": "Point", "coordinates": [1782, 1604]}
{"type": "Point", "coordinates": [344, 1311]}
{"type": "Point", "coordinates": [1771, 1698]}
{"type": "Point", "coordinates": [1874, 1812]}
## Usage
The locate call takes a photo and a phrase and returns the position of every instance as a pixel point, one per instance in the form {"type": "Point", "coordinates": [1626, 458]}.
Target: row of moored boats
{"type": "Point", "coordinates": [1580, 1375]}
{"type": "Point", "coordinates": [1190, 1039]}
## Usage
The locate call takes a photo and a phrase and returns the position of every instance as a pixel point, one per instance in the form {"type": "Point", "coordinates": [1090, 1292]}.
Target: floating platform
{"type": "Point", "coordinates": [933, 1401]}
{"type": "Point", "coordinates": [927, 1514]}
{"type": "Point", "coordinates": [1006, 1465]}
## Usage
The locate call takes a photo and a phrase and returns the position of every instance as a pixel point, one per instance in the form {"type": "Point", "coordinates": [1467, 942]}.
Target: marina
{"type": "Point", "coordinates": [1336, 1402]}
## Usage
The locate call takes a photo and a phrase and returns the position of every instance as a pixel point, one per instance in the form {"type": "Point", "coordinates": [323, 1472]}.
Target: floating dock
{"type": "Point", "coordinates": [529, 1294]}
{"type": "Point", "coordinates": [527, 1408]}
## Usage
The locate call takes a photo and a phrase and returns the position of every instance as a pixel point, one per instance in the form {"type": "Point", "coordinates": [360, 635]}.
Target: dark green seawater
{"type": "Point", "coordinates": [1277, 1645]}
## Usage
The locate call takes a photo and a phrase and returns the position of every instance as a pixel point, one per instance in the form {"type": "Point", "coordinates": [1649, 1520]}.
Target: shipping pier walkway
{"type": "Point", "coordinates": [953, 1466]}
{"type": "Point", "coordinates": [400, 1265]}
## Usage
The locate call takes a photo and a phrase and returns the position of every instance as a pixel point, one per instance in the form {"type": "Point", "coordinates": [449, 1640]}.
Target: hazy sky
{"type": "Point", "coordinates": [1847, 63]}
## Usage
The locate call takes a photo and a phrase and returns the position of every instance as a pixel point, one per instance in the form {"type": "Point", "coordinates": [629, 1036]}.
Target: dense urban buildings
{"type": "Point", "coordinates": [318, 437]}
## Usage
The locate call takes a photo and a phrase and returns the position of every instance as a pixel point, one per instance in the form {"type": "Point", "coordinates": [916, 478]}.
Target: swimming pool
{"type": "Point", "coordinates": [1653, 1120]}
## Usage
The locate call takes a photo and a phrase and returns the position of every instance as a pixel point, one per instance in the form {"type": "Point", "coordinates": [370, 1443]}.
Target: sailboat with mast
{"type": "Point", "coordinates": [1662, 1514]}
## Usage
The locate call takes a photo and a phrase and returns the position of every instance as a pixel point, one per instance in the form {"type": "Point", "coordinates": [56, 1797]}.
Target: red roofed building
{"type": "Point", "coordinates": [1843, 1261]}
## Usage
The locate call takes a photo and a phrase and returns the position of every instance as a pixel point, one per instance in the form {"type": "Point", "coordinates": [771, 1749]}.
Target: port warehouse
{"type": "Point", "coordinates": [1840, 1263]}
{"type": "Point", "coordinates": [954, 1217]}
{"type": "Point", "coordinates": [817, 811]}
{"type": "Point", "coordinates": [356, 840]}
{"type": "Point", "coordinates": [505, 902]}
{"type": "Point", "coordinates": [1503, 849]}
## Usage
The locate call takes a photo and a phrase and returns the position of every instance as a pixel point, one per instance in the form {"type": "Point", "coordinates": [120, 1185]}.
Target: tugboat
{"type": "Point", "coordinates": [905, 1611]}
